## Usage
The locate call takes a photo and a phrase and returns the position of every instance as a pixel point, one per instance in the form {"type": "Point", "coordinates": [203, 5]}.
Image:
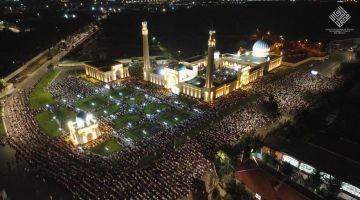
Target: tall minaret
{"type": "Point", "coordinates": [210, 63]}
{"type": "Point", "coordinates": [147, 67]}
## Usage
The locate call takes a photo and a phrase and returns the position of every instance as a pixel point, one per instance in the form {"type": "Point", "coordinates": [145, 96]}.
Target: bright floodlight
{"type": "Point", "coordinates": [162, 72]}
{"type": "Point", "coordinates": [314, 72]}
{"type": "Point", "coordinates": [89, 116]}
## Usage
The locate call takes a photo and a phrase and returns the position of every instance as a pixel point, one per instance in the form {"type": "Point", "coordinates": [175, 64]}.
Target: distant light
{"type": "Point", "coordinates": [107, 86]}
{"type": "Point", "coordinates": [164, 10]}
{"type": "Point", "coordinates": [93, 104]}
{"type": "Point", "coordinates": [314, 72]}
{"type": "Point", "coordinates": [66, 16]}
{"type": "Point", "coordinates": [92, 8]}
{"type": "Point", "coordinates": [73, 15]}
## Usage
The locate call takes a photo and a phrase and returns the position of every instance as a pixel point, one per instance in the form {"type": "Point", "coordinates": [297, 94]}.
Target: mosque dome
{"type": "Point", "coordinates": [260, 49]}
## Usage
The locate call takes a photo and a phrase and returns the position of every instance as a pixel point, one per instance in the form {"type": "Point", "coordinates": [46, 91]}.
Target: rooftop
{"type": "Point", "coordinates": [194, 58]}
{"type": "Point", "coordinates": [247, 58]}
{"type": "Point", "coordinates": [323, 159]}
{"type": "Point", "coordinates": [103, 65]}
{"type": "Point", "coordinates": [265, 184]}
{"type": "Point", "coordinates": [197, 82]}
{"type": "Point", "coordinates": [179, 67]}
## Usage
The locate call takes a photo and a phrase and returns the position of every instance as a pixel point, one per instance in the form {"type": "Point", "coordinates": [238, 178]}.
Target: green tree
{"type": "Point", "coordinates": [2, 84]}
{"type": "Point", "coordinates": [237, 191]}
{"type": "Point", "coordinates": [215, 195]}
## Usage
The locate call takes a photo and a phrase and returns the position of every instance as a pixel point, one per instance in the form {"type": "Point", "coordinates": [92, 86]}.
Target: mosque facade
{"type": "Point", "coordinates": [212, 77]}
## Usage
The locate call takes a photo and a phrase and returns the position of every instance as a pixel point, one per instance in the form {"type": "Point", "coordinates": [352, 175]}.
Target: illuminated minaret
{"type": "Point", "coordinates": [210, 63]}
{"type": "Point", "coordinates": [208, 89]}
{"type": "Point", "coordinates": [147, 66]}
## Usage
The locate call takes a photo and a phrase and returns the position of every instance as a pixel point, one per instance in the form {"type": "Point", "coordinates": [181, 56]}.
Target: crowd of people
{"type": "Point", "coordinates": [171, 176]}
{"type": "Point", "coordinates": [290, 91]}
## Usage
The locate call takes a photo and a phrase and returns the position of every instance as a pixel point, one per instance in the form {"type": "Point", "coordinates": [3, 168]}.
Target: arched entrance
{"type": "Point", "coordinates": [118, 74]}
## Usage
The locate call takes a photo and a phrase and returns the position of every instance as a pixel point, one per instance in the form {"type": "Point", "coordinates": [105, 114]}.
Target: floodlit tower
{"type": "Point", "coordinates": [147, 67]}
{"type": "Point", "coordinates": [208, 90]}
{"type": "Point", "coordinates": [210, 63]}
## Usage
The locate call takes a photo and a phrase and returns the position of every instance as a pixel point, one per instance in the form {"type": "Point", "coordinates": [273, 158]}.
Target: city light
{"type": "Point", "coordinates": [314, 72]}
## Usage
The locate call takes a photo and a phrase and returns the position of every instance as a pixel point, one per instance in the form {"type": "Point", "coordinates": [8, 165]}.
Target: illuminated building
{"type": "Point", "coordinates": [84, 129]}
{"type": "Point", "coordinates": [106, 70]}
{"type": "Point", "coordinates": [223, 73]}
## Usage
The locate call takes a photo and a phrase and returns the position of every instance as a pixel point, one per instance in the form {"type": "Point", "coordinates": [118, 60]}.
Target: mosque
{"type": "Point", "coordinates": [84, 129]}
{"type": "Point", "coordinates": [212, 77]}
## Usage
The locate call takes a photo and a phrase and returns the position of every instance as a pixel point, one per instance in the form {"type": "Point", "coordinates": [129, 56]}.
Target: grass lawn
{"type": "Point", "coordinates": [47, 124]}
{"type": "Point", "coordinates": [121, 92]}
{"type": "Point", "coordinates": [124, 120]}
{"type": "Point", "coordinates": [107, 148]}
{"type": "Point", "coordinates": [39, 97]}
{"type": "Point", "coordinates": [152, 108]}
{"type": "Point", "coordinates": [136, 99]}
{"type": "Point", "coordinates": [173, 117]}
{"type": "Point", "coordinates": [92, 102]}
{"type": "Point", "coordinates": [64, 115]}
{"type": "Point", "coordinates": [108, 111]}
{"type": "Point", "coordinates": [2, 129]}
{"type": "Point", "coordinates": [142, 131]}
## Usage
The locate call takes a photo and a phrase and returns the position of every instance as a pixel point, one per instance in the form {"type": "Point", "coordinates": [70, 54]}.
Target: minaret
{"type": "Point", "coordinates": [210, 63]}
{"type": "Point", "coordinates": [208, 89]}
{"type": "Point", "coordinates": [147, 67]}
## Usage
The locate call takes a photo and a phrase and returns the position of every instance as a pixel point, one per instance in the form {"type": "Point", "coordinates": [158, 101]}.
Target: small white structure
{"type": "Point", "coordinates": [106, 70]}
{"type": "Point", "coordinates": [84, 129]}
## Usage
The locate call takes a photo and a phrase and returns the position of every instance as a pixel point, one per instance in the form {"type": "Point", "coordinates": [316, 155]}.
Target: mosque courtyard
{"type": "Point", "coordinates": [127, 114]}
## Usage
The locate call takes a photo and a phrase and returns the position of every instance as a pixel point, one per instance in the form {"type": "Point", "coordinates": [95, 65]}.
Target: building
{"type": "Point", "coordinates": [265, 185]}
{"type": "Point", "coordinates": [308, 159]}
{"type": "Point", "coordinates": [106, 70]}
{"type": "Point", "coordinates": [84, 129]}
{"type": "Point", "coordinates": [211, 77]}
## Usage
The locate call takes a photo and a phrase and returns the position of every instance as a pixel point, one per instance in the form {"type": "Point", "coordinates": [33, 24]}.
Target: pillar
{"type": "Point", "coordinates": [209, 88]}
{"type": "Point", "coordinates": [147, 67]}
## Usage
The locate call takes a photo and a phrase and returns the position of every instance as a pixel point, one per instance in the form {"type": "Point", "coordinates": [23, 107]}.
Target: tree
{"type": "Point", "coordinates": [237, 190]}
{"type": "Point", "coordinates": [269, 107]}
{"type": "Point", "coordinates": [2, 84]}
{"type": "Point", "coordinates": [287, 169]}
{"type": "Point", "coordinates": [215, 195]}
